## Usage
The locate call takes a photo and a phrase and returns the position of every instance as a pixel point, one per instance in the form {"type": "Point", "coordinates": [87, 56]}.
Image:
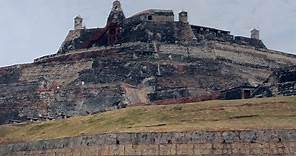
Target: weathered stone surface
{"type": "Point", "coordinates": [240, 142]}
{"type": "Point", "coordinates": [100, 79]}
{"type": "Point", "coordinates": [281, 82]}
{"type": "Point", "coordinates": [9, 74]}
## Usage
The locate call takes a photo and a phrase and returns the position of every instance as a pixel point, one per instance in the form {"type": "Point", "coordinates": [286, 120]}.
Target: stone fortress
{"type": "Point", "coordinates": [149, 26]}
{"type": "Point", "coordinates": [148, 58]}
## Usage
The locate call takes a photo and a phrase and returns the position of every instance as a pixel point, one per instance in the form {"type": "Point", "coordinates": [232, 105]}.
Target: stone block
{"type": "Point", "coordinates": [217, 148]}
{"type": "Point", "coordinates": [256, 148]}
{"type": "Point", "coordinates": [227, 149]}
{"type": "Point", "coordinates": [291, 147]}
{"type": "Point", "coordinates": [117, 149]}
{"type": "Point", "coordinates": [77, 151]}
{"type": "Point", "coordinates": [203, 149]}
{"type": "Point", "coordinates": [185, 149]}
{"type": "Point", "coordinates": [149, 149]}
{"type": "Point", "coordinates": [132, 150]}
{"type": "Point", "coordinates": [105, 150]}
{"type": "Point", "coordinates": [167, 149]}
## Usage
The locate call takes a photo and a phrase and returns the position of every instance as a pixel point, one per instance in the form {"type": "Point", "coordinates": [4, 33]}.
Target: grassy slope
{"type": "Point", "coordinates": [268, 113]}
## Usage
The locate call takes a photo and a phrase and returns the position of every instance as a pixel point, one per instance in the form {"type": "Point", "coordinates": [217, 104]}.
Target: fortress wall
{"type": "Point", "coordinates": [72, 35]}
{"type": "Point", "coordinates": [199, 52]}
{"type": "Point", "coordinates": [162, 18]}
{"type": "Point", "coordinates": [233, 53]}
{"type": "Point", "coordinates": [91, 50]}
{"type": "Point", "coordinates": [213, 50]}
{"type": "Point", "coordinates": [239, 142]}
{"type": "Point", "coordinates": [60, 72]}
{"type": "Point", "coordinates": [250, 63]}
{"type": "Point", "coordinates": [248, 54]}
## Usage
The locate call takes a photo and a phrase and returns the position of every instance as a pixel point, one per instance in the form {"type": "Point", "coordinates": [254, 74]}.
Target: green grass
{"type": "Point", "coordinates": [269, 113]}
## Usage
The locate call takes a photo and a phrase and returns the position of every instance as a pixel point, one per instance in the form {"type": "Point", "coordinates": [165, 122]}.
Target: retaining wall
{"type": "Point", "coordinates": [239, 142]}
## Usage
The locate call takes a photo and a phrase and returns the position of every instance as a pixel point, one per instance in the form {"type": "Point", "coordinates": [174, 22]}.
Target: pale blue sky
{"type": "Point", "coordinates": [33, 28]}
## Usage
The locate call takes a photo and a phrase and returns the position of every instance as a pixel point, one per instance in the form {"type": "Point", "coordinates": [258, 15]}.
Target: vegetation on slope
{"type": "Point", "coordinates": [269, 113]}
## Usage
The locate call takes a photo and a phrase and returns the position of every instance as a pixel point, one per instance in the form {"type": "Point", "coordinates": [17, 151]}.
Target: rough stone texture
{"type": "Point", "coordinates": [99, 79]}
{"type": "Point", "coordinates": [9, 74]}
{"type": "Point", "coordinates": [285, 81]}
{"type": "Point", "coordinates": [236, 142]}
{"type": "Point", "coordinates": [281, 82]}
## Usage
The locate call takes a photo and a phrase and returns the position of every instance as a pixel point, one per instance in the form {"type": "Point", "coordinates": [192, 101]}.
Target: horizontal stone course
{"type": "Point", "coordinates": [236, 142]}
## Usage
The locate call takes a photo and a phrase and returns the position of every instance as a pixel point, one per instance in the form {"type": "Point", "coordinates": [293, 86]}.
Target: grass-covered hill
{"type": "Point", "coordinates": [269, 113]}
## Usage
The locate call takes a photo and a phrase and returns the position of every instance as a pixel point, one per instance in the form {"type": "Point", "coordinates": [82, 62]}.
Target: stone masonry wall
{"type": "Point", "coordinates": [237, 142]}
{"type": "Point", "coordinates": [237, 54]}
